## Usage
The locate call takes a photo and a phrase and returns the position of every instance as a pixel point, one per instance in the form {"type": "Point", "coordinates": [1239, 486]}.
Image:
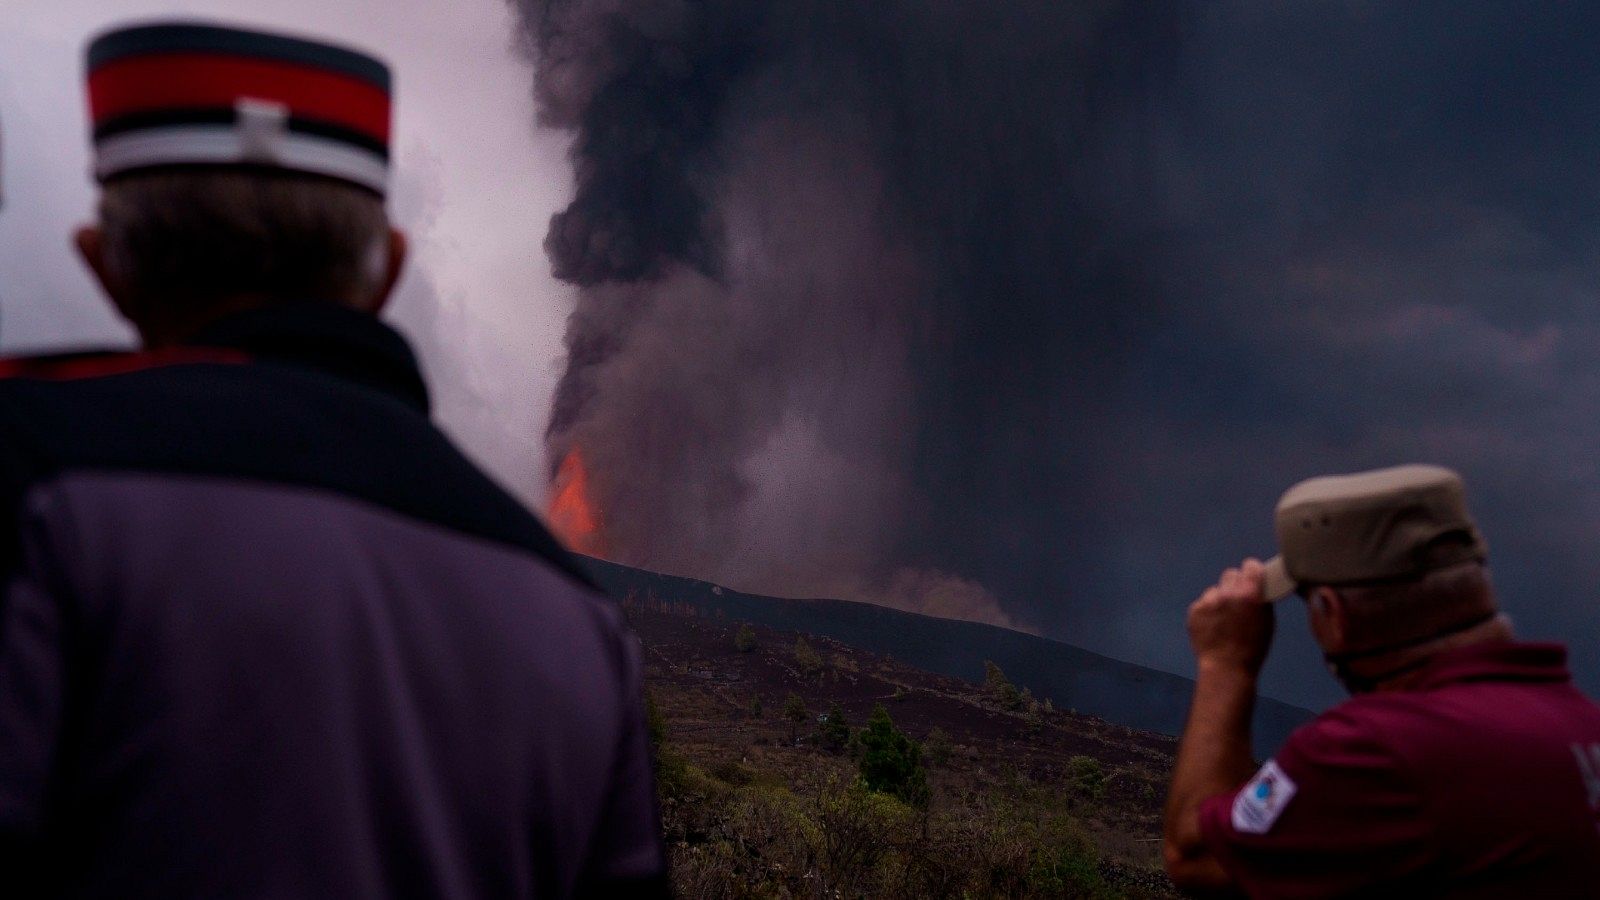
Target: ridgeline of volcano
{"type": "Point", "coordinates": [1070, 677]}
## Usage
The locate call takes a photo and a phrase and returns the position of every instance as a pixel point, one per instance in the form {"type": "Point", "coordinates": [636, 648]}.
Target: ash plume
{"type": "Point", "coordinates": [899, 299]}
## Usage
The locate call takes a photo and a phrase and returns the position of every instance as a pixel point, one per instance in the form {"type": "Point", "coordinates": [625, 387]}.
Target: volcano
{"type": "Point", "coordinates": [1070, 677]}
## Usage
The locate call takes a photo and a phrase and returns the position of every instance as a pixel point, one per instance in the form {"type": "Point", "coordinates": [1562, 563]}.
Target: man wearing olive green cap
{"type": "Point", "coordinates": [1465, 765]}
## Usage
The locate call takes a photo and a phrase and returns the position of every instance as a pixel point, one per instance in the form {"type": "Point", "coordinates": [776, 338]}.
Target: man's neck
{"type": "Point", "coordinates": [168, 331]}
{"type": "Point", "coordinates": [1411, 663]}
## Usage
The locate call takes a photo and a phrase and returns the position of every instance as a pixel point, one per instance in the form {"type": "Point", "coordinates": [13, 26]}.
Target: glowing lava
{"type": "Point", "coordinates": [572, 512]}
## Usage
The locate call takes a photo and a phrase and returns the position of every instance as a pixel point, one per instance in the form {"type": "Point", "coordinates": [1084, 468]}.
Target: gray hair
{"type": "Point", "coordinates": [193, 236]}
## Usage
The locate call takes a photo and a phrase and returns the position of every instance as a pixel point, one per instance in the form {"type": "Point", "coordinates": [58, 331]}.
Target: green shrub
{"type": "Point", "coordinates": [1000, 688]}
{"type": "Point", "coordinates": [857, 830]}
{"type": "Point", "coordinates": [1067, 872]}
{"type": "Point", "coordinates": [794, 709]}
{"type": "Point", "coordinates": [744, 640]}
{"type": "Point", "coordinates": [1087, 776]}
{"type": "Point", "coordinates": [891, 762]}
{"type": "Point", "coordinates": [833, 732]}
{"type": "Point", "coordinates": [937, 746]}
{"type": "Point", "coordinates": [808, 659]}
{"type": "Point", "coordinates": [655, 723]}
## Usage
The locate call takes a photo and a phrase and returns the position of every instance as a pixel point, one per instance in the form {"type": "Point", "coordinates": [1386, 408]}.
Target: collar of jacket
{"type": "Point", "coordinates": [343, 342]}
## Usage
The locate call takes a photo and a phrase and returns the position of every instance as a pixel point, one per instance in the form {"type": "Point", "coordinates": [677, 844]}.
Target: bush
{"type": "Point", "coordinates": [809, 661]}
{"type": "Point", "coordinates": [732, 833]}
{"type": "Point", "coordinates": [891, 763]}
{"type": "Point", "coordinates": [1087, 776]}
{"type": "Point", "coordinates": [794, 709]}
{"type": "Point", "coordinates": [857, 830]}
{"type": "Point", "coordinates": [744, 640]}
{"type": "Point", "coordinates": [833, 732]}
{"type": "Point", "coordinates": [1072, 871]}
{"type": "Point", "coordinates": [1000, 688]}
{"type": "Point", "coordinates": [655, 724]}
{"type": "Point", "coordinates": [937, 746]}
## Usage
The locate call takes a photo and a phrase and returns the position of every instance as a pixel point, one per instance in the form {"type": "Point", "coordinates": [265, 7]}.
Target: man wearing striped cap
{"type": "Point", "coordinates": [263, 630]}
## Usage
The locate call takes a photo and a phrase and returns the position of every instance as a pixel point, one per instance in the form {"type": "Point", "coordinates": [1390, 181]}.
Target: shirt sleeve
{"type": "Point", "coordinates": [1333, 813]}
{"type": "Point", "coordinates": [628, 857]}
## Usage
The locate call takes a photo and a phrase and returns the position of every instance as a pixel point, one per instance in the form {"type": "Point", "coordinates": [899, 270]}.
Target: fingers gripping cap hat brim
{"type": "Point", "coordinates": [1276, 583]}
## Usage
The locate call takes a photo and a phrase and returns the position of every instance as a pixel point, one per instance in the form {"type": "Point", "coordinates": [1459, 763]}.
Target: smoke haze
{"type": "Point", "coordinates": [1026, 312]}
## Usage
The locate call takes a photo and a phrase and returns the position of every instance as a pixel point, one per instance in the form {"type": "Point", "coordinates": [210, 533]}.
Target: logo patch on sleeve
{"type": "Point", "coordinates": [1259, 803]}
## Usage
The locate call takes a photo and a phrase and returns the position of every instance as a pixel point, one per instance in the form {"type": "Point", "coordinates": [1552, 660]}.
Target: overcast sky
{"type": "Point", "coordinates": [1358, 234]}
{"type": "Point", "coordinates": [1132, 267]}
{"type": "Point", "coordinates": [475, 184]}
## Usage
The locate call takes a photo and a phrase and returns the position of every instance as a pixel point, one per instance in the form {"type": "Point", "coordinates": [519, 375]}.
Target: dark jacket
{"type": "Point", "coordinates": [265, 632]}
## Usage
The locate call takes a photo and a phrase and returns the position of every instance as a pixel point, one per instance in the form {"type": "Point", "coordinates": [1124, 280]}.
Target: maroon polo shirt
{"type": "Point", "coordinates": [1482, 780]}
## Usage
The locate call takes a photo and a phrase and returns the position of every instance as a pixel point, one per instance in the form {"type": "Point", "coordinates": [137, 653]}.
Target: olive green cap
{"type": "Point", "coordinates": [1385, 524]}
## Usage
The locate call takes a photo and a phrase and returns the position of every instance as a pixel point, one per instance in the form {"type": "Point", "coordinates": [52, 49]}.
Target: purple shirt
{"type": "Point", "coordinates": [1482, 780]}
{"type": "Point", "coordinates": [264, 632]}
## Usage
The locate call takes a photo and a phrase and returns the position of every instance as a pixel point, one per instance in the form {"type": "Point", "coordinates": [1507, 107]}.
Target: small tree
{"type": "Point", "coordinates": [937, 746]}
{"type": "Point", "coordinates": [993, 678]}
{"type": "Point", "coordinates": [834, 729]}
{"type": "Point", "coordinates": [744, 640]}
{"type": "Point", "coordinates": [669, 767]}
{"type": "Point", "coordinates": [794, 709]}
{"type": "Point", "coordinates": [805, 657]}
{"type": "Point", "coordinates": [1087, 775]}
{"type": "Point", "coordinates": [655, 724]}
{"type": "Point", "coordinates": [756, 709]}
{"type": "Point", "coordinates": [891, 762]}
{"type": "Point", "coordinates": [1000, 688]}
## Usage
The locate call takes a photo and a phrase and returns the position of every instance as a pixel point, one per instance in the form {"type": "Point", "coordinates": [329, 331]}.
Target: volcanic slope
{"type": "Point", "coordinates": [1070, 677]}
{"type": "Point", "coordinates": [759, 744]}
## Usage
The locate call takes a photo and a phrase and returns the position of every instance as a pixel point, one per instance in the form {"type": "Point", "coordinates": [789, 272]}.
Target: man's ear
{"type": "Point", "coordinates": [393, 268]}
{"type": "Point", "coordinates": [91, 244]}
{"type": "Point", "coordinates": [1326, 610]}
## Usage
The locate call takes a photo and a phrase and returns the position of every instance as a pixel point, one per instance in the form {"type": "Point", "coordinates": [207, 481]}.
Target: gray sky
{"type": "Point", "coordinates": [1056, 298]}
{"type": "Point", "coordinates": [475, 185]}
{"type": "Point", "coordinates": [1353, 234]}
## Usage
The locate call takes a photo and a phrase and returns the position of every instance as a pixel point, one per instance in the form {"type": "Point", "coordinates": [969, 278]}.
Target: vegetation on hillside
{"type": "Point", "coordinates": [1002, 797]}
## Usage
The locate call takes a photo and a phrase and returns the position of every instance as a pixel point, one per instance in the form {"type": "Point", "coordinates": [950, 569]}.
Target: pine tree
{"type": "Point", "coordinates": [794, 709]}
{"type": "Point", "coordinates": [834, 730]}
{"type": "Point", "coordinates": [937, 746]}
{"type": "Point", "coordinates": [1000, 687]}
{"type": "Point", "coordinates": [891, 762]}
{"type": "Point", "coordinates": [809, 660]}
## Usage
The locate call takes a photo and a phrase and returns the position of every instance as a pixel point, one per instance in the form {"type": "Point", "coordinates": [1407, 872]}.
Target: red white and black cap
{"type": "Point", "coordinates": [192, 94]}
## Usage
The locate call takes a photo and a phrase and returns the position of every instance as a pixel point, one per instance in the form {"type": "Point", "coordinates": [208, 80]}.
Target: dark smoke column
{"type": "Point", "coordinates": [892, 299]}
{"type": "Point", "coordinates": [656, 408]}
{"type": "Point", "coordinates": [831, 261]}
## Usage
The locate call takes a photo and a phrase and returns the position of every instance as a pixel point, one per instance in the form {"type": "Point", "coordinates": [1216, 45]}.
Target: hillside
{"type": "Point", "coordinates": [1070, 677]}
{"type": "Point", "coordinates": [760, 747]}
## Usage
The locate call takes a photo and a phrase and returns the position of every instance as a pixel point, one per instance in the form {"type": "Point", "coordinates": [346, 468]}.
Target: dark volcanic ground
{"type": "Point", "coordinates": [1073, 678]}
{"type": "Point", "coordinates": [707, 690]}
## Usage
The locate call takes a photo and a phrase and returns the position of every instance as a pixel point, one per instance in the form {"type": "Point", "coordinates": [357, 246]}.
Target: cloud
{"type": "Point", "coordinates": [1130, 270]}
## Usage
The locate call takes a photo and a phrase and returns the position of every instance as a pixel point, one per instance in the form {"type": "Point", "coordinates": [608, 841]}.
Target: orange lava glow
{"type": "Point", "coordinates": [573, 516]}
